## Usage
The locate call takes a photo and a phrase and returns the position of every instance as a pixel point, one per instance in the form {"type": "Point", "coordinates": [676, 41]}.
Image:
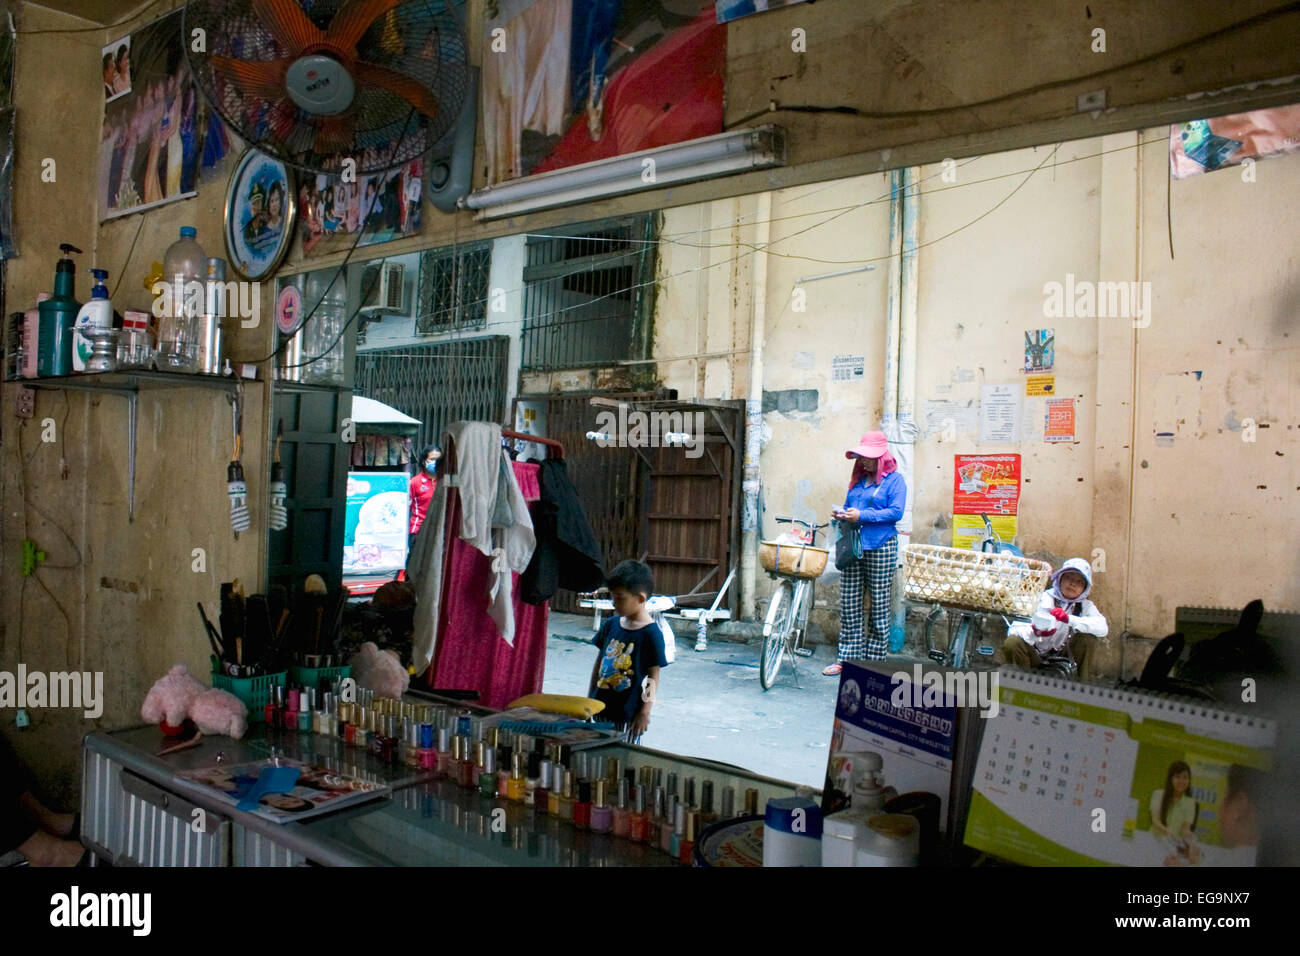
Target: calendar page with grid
{"type": "Point", "coordinates": [1076, 774]}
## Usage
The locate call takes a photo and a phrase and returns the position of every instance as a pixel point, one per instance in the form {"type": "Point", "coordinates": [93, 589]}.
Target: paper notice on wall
{"type": "Point", "coordinates": [848, 368]}
{"type": "Point", "coordinates": [985, 484]}
{"type": "Point", "coordinates": [946, 420]}
{"type": "Point", "coordinates": [1059, 424]}
{"type": "Point", "coordinates": [1040, 350]}
{"type": "Point", "coordinates": [968, 530]}
{"type": "Point", "coordinates": [999, 413]}
{"type": "Point", "coordinates": [1040, 385]}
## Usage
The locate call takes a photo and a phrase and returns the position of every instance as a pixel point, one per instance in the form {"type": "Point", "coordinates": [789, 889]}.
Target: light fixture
{"type": "Point", "coordinates": [738, 151]}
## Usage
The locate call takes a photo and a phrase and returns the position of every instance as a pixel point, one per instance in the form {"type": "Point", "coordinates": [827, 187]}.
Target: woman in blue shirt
{"type": "Point", "coordinates": [877, 494]}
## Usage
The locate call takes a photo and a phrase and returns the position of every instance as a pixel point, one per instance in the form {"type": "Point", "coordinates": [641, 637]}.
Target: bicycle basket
{"type": "Point", "coordinates": [800, 561]}
{"type": "Point", "coordinates": [977, 581]}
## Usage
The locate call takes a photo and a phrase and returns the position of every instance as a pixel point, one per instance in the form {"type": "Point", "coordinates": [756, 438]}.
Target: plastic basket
{"type": "Point", "coordinates": [797, 560]}
{"type": "Point", "coordinates": [255, 692]}
{"type": "Point", "coordinates": [974, 580]}
{"type": "Point", "coordinates": [312, 676]}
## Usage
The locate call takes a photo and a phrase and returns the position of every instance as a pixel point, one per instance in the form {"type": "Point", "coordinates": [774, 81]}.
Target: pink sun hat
{"type": "Point", "coordinates": [870, 445]}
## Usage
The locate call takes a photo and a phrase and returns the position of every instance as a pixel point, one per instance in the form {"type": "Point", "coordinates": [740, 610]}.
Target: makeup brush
{"type": "Point", "coordinates": [211, 632]}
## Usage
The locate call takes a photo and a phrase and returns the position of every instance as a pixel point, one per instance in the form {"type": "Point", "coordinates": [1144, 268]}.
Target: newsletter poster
{"type": "Point", "coordinates": [986, 484]}
{"type": "Point", "coordinates": [1059, 425]}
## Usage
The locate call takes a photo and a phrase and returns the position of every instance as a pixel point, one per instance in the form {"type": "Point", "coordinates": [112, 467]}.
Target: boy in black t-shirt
{"type": "Point", "coordinates": [626, 672]}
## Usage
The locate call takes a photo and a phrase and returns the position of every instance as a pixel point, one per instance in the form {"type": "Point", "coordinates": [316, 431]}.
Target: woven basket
{"type": "Point", "coordinates": [797, 560]}
{"type": "Point", "coordinates": [974, 580]}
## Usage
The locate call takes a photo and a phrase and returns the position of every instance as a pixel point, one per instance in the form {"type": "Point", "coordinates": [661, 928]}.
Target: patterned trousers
{"type": "Point", "coordinates": [874, 571]}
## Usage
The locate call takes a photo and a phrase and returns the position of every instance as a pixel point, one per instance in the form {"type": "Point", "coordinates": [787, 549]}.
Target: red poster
{"type": "Point", "coordinates": [986, 484]}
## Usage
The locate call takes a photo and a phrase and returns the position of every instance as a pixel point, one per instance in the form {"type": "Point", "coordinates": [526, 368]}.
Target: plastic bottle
{"type": "Point", "coordinates": [57, 315]}
{"type": "Point", "coordinates": [183, 263]}
{"type": "Point", "coordinates": [95, 314]}
{"type": "Point", "coordinates": [31, 336]}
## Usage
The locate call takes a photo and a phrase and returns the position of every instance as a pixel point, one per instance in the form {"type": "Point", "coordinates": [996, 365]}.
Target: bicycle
{"type": "Point", "coordinates": [786, 622]}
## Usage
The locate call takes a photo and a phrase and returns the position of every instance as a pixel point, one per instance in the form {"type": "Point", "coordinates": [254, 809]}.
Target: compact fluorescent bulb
{"type": "Point", "coordinates": [740, 150]}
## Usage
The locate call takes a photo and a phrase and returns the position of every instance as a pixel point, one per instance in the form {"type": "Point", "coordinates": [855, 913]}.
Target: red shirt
{"type": "Point", "coordinates": [421, 488]}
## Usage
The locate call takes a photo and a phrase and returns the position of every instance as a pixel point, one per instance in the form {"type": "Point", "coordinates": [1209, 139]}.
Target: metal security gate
{"type": "Point", "coordinates": [462, 380]}
{"type": "Point", "coordinates": [589, 294]}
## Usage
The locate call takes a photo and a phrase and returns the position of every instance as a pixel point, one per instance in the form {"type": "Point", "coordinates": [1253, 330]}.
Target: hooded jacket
{"type": "Point", "coordinates": [1084, 618]}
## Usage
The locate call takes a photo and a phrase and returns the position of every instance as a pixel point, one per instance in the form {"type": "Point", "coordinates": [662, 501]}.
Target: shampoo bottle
{"type": "Point", "coordinates": [95, 314]}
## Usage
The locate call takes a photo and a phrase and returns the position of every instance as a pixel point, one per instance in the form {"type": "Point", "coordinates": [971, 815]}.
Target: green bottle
{"type": "Point", "coordinates": [58, 314]}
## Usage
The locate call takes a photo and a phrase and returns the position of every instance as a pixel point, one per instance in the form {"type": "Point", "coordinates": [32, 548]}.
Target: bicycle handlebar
{"type": "Point", "coordinates": [815, 527]}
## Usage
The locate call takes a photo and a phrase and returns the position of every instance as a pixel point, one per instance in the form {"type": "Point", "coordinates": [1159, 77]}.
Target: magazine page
{"type": "Point", "coordinates": [317, 789]}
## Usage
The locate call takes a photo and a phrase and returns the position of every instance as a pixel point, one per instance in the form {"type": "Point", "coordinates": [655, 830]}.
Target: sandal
{"type": "Point", "coordinates": [832, 670]}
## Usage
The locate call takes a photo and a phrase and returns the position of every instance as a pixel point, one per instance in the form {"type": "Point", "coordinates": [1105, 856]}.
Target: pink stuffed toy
{"type": "Point", "coordinates": [169, 699]}
{"type": "Point", "coordinates": [380, 671]}
{"type": "Point", "coordinates": [220, 712]}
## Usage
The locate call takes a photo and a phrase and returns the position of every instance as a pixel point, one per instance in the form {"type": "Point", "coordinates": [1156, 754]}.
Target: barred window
{"type": "Point", "coordinates": [454, 288]}
{"type": "Point", "coordinates": [589, 294]}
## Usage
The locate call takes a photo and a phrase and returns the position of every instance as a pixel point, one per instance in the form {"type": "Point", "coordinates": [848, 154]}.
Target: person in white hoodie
{"type": "Point", "coordinates": [1064, 616]}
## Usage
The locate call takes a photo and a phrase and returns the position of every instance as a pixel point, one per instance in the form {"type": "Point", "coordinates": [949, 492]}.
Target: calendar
{"type": "Point", "coordinates": [1073, 774]}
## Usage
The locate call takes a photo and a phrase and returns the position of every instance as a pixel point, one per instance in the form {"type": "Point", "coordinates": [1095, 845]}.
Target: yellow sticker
{"type": "Point", "coordinates": [1040, 385]}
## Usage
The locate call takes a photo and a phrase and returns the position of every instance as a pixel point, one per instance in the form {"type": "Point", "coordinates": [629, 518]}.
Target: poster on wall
{"type": "Point", "coordinates": [986, 484]}
{"type": "Point", "coordinates": [592, 80]}
{"type": "Point", "coordinates": [383, 207]}
{"type": "Point", "coordinates": [1039, 385]}
{"type": "Point", "coordinates": [968, 531]}
{"type": "Point", "coordinates": [1059, 420]}
{"type": "Point", "coordinates": [729, 10]}
{"type": "Point", "coordinates": [1040, 350]}
{"type": "Point", "coordinates": [999, 413]}
{"type": "Point", "coordinates": [149, 151]}
{"type": "Point", "coordinates": [1203, 146]}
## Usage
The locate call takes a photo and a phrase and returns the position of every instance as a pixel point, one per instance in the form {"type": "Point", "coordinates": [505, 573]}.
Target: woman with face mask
{"type": "Point", "coordinates": [423, 484]}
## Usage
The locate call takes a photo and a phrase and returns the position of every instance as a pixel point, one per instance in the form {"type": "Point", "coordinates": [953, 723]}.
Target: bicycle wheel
{"type": "Point", "coordinates": [958, 652]}
{"type": "Point", "coordinates": [776, 629]}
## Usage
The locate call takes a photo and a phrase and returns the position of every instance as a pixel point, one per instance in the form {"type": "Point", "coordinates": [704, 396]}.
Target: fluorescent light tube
{"type": "Point", "coordinates": [740, 150]}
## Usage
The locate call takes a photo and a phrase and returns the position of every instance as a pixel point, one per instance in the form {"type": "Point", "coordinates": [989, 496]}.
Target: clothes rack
{"type": "Point", "coordinates": [555, 449]}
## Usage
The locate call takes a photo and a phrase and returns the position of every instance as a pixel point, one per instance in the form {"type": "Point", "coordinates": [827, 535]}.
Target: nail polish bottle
{"type": "Point", "coordinates": [517, 785]}
{"type": "Point", "coordinates": [480, 754]}
{"type": "Point", "coordinates": [667, 823]}
{"type": "Point", "coordinates": [687, 855]}
{"type": "Point", "coordinates": [751, 802]}
{"type": "Point", "coordinates": [622, 814]}
{"type": "Point", "coordinates": [445, 755]}
{"type": "Point", "coordinates": [707, 816]}
{"type": "Point", "coordinates": [728, 811]}
{"type": "Point", "coordinates": [602, 814]}
{"type": "Point", "coordinates": [317, 725]}
{"type": "Point", "coordinates": [638, 824]}
{"type": "Point", "coordinates": [542, 792]}
{"type": "Point", "coordinates": [582, 809]}
{"type": "Point", "coordinates": [291, 711]}
{"type": "Point", "coordinates": [556, 790]}
{"type": "Point", "coordinates": [679, 832]}
{"type": "Point", "coordinates": [466, 775]}
{"type": "Point", "coordinates": [374, 735]}
{"type": "Point", "coordinates": [688, 795]}
{"type": "Point", "coordinates": [487, 780]}
{"type": "Point", "coordinates": [304, 721]}
{"type": "Point", "coordinates": [392, 738]}
{"type": "Point", "coordinates": [269, 711]}
{"type": "Point", "coordinates": [403, 744]}
{"type": "Point", "coordinates": [412, 745]}
{"type": "Point", "coordinates": [672, 790]}
{"type": "Point", "coordinates": [352, 719]}
{"type": "Point", "coordinates": [428, 756]}
{"type": "Point", "coordinates": [531, 781]}
{"type": "Point", "coordinates": [614, 772]}
{"type": "Point", "coordinates": [505, 760]}
{"type": "Point", "coordinates": [566, 798]}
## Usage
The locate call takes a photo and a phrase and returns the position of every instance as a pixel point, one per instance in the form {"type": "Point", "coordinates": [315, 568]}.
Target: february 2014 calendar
{"type": "Point", "coordinates": [1073, 774]}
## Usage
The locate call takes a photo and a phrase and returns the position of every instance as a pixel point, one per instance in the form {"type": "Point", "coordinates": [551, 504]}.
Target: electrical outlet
{"type": "Point", "coordinates": [25, 402]}
{"type": "Point", "coordinates": [1090, 102]}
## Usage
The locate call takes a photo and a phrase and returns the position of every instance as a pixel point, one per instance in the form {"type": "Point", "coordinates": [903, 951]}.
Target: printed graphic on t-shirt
{"type": "Point", "coordinates": [616, 666]}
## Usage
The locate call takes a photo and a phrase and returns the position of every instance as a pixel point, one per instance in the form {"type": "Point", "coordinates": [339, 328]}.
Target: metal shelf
{"type": "Point", "coordinates": [128, 384]}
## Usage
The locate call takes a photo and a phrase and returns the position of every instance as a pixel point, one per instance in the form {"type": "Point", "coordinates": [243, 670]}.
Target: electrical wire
{"type": "Point", "coordinates": [127, 261]}
{"type": "Point", "coordinates": [1255, 20]}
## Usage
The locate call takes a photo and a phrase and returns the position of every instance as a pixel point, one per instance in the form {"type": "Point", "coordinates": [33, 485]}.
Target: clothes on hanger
{"type": "Point", "coordinates": [567, 553]}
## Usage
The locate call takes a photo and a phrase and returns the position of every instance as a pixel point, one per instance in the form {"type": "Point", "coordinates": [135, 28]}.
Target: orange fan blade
{"type": "Point", "coordinates": [334, 133]}
{"type": "Point", "coordinates": [288, 24]}
{"type": "Point", "coordinates": [261, 79]}
{"type": "Point", "coordinates": [407, 87]}
{"type": "Point", "coordinates": [354, 18]}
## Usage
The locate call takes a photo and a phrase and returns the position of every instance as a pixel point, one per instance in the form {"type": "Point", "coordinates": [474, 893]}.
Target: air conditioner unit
{"type": "Point", "coordinates": [382, 288]}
